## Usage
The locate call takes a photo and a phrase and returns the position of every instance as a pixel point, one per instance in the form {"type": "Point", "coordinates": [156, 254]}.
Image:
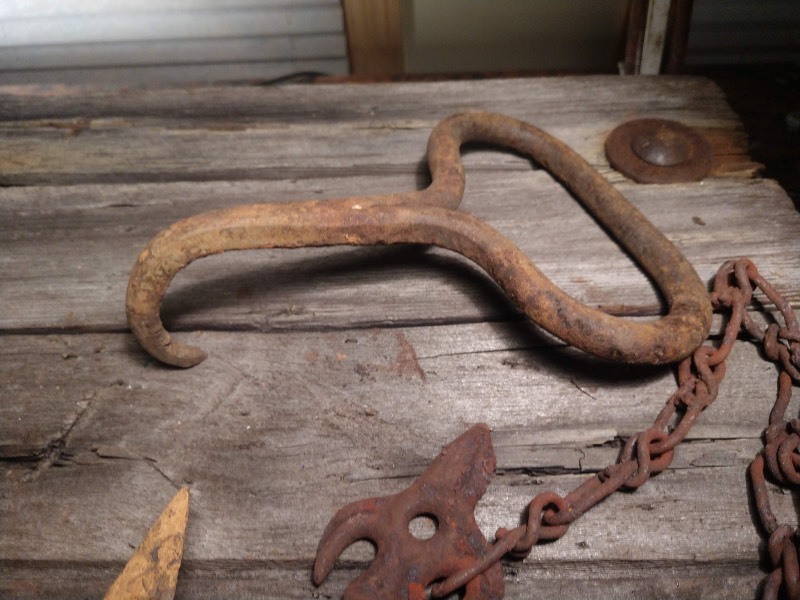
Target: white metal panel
{"type": "Point", "coordinates": [158, 41]}
{"type": "Point", "coordinates": [151, 26]}
{"type": "Point", "coordinates": [178, 52]}
{"type": "Point", "coordinates": [49, 8]}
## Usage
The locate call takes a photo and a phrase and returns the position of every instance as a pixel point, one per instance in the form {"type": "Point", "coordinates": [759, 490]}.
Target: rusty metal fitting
{"type": "Point", "coordinates": [659, 151]}
{"type": "Point", "coordinates": [405, 566]}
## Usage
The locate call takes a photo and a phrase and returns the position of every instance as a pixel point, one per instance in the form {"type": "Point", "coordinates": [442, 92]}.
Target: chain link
{"type": "Point", "coordinates": [649, 452]}
{"type": "Point", "coordinates": [779, 459]}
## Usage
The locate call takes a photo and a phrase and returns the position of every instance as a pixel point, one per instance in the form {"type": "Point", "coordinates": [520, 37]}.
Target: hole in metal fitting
{"type": "Point", "coordinates": [423, 527]}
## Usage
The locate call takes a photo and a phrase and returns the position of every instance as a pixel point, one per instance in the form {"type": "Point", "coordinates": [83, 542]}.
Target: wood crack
{"type": "Point", "coordinates": [160, 471]}
{"type": "Point", "coordinates": [55, 451]}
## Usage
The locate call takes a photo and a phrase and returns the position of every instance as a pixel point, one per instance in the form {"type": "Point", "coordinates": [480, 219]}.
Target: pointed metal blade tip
{"type": "Point", "coordinates": [152, 571]}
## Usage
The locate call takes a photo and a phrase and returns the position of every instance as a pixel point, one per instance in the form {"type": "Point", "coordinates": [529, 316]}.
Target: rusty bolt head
{"type": "Point", "coordinates": [662, 147]}
{"type": "Point", "coordinates": [658, 151]}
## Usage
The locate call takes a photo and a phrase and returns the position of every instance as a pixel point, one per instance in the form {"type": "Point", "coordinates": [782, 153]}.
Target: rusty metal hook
{"type": "Point", "coordinates": [430, 217]}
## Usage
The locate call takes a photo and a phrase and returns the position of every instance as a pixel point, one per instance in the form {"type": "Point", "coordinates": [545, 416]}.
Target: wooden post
{"type": "Point", "coordinates": [637, 20]}
{"type": "Point", "coordinates": [680, 19]}
{"type": "Point", "coordinates": [374, 36]}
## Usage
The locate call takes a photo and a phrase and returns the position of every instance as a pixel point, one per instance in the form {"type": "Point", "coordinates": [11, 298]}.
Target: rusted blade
{"type": "Point", "coordinates": [152, 571]}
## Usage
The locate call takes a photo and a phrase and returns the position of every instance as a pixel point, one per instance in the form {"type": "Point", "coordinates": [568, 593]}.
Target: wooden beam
{"type": "Point", "coordinates": [374, 36]}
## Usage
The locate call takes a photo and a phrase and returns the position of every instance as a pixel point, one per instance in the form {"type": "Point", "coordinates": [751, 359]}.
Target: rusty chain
{"type": "Point", "coordinates": [650, 451]}
{"type": "Point", "coordinates": [780, 454]}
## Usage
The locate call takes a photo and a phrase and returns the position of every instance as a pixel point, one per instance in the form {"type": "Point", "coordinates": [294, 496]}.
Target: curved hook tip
{"type": "Point", "coordinates": [175, 353]}
{"type": "Point", "coordinates": [359, 520]}
{"type": "Point", "coordinates": [183, 355]}
{"type": "Point", "coordinates": [151, 334]}
{"type": "Point", "coordinates": [320, 572]}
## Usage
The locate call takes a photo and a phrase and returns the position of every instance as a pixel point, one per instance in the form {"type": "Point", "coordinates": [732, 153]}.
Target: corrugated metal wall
{"type": "Point", "coordinates": [168, 41]}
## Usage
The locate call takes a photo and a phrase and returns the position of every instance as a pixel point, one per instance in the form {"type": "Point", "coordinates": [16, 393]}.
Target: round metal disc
{"type": "Point", "coordinates": [658, 151]}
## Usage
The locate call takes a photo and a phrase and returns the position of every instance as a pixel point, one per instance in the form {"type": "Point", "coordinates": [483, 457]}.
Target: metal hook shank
{"type": "Point", "coordinates": [430, 217]}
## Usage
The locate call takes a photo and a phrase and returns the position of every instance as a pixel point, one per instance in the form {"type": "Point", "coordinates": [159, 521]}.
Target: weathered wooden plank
{"type": "Point", "coordinates": [604, 101]}
{"type": "Point", "coordinates": [126, 151]}
{"type": "Point", "coordinates": [622, 547]}
{"type": "Point", "coordinates": [545, 579]}
{"type": "Point", "coordinates": [331, 417]}
{"type": "Point", "coordinates": [534, 384]}
{"type": "Point", "coordinates": [70, 152]}
{"type": "Point", "coordinates": [67, 253]}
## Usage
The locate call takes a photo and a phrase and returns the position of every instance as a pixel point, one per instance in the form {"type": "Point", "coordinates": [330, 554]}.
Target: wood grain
{"type": "Point", "coordinates": [545, 101]}
{"type": "Point", "coordinates": [335, 374]}
{"type": "Point", "coordinates": [270, 418]}
{"type": "Point", "coordinates": [76, 246]}
{"type": "Point", "coordinates": [374, 36]}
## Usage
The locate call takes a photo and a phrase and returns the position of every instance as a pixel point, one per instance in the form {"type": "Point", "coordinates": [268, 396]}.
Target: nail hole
{"type": "Point", "coordinates": [423, 527]}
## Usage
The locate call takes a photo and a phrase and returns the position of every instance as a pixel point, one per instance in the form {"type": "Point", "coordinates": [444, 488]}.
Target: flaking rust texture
{"type": "Point", "coordinates": [431, 217]}
{"type": "Point", "coordinates": [405, 566]}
